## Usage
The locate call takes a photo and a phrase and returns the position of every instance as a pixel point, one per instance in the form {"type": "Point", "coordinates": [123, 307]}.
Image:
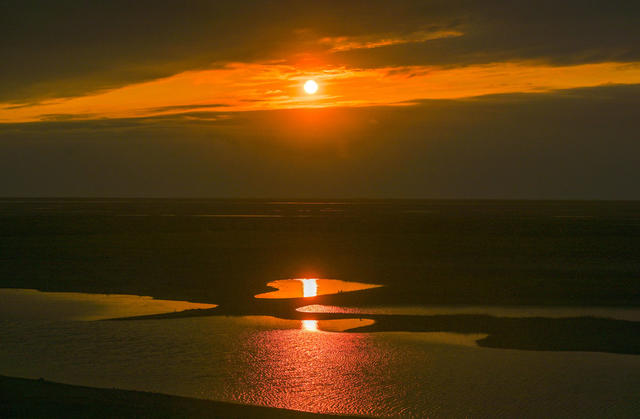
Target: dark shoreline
{"type": "Point", "coordinates": [29, 398]}
{"type": "Point", "coordinates": [584, 334]}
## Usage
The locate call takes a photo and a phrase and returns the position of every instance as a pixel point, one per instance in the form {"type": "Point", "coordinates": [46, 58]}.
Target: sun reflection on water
{"type": "Point", "coordinates": [310, 325]}
{"type": "Point", "coordinates": [312, 287]}
{"type": "Point", "coordinates": [309, 287]}
{"type": "Point", "coordinates": [303, 370]}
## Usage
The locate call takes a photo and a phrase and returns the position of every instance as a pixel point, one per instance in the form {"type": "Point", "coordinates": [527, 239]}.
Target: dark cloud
{"type": "Point", "coordinates": [579, 143]}
{"type": "Point", "coordinates": [567, 32]}
{"type": "Point", "coordinates": [66, 48]}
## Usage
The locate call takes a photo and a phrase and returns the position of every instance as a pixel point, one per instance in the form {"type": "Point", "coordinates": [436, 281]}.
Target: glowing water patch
{"type": "Point", "coordinates": [311, 287]}
{"type": "Point", "coordinates": [310, 325]}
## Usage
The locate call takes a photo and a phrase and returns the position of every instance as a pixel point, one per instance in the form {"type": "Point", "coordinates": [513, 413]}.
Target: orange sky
{"type": "Point", "coordinates": [416, 98]}
{"type": "Point", "coordinates": [263, 86]}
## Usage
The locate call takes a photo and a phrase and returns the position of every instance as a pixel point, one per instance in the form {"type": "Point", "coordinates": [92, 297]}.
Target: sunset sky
{"type": "Point", "coordinates": [416, 99]}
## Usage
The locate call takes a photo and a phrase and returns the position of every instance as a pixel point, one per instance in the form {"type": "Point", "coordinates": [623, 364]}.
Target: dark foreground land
{"type": "Point", "coordinates": [25, 398]}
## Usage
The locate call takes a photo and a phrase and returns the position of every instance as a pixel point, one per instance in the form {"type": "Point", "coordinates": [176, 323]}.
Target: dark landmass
{"type": "Point", "coordinates": [424, 252]}
{"type": "Point", "coordinates": [545, 253]}
{"type": "Point", "coordinates": [26, 398]}
{"type": "Point", "coordinates": [587, 334]}
{"type": "Point", "coordinates": [536, 334]}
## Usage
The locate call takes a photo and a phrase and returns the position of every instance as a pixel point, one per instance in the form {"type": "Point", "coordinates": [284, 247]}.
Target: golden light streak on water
{"type": "Point", "coordinates": [312, 287]}
{"type": "Point", "coordinates": [310, 325]}
{"type": "Point", "coordinates": [309, 287]}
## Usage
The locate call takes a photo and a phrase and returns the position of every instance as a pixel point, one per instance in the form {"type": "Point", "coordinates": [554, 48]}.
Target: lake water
{"type": "Point", "coordinates": [325, 268]}
{"type": "Point", "coordinates": [25, 304]}
{"type": "Point", "coordinates": [295, 364]}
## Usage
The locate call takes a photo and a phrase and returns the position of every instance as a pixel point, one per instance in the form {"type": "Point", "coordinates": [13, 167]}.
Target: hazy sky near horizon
{"type": "Point", "coordinates": [416, 99]}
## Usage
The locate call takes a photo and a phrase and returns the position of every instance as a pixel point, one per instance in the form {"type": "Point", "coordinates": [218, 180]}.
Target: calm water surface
{"type": "Point", "coordinates": [21, 304]}
{"type": "Point", "coordinates": [294, 364]}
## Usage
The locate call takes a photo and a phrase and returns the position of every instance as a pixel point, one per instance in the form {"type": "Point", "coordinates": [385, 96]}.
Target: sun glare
{"type": "Point", "coordinates": [309, 287]}
{"type": "Point", "coordinates": [310, 325]}
{"type": "Point", "coordinates": [310, 87]}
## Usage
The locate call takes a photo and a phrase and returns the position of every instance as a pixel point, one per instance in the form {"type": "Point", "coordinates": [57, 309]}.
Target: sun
{"type": "Point", "coordinates": [310, 87]}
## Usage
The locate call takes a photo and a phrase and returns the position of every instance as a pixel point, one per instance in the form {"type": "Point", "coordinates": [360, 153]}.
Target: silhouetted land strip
{"type": "Point", "coordinates": [196, 312]}
{"type": "Point", "coordinates": [589, 334]}
{"type": "Point", "coordinates": [538, 334]}
{"type": "Point", "coordinates": [25, 398]}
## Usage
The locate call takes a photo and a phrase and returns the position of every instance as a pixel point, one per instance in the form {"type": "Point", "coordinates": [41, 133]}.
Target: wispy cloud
{"type": "Point", "coordinates": [63, 117]}
{"type": "Point", "coordinates": [347, 43]}
{"type": "Point", "coordinates": [184, 108]}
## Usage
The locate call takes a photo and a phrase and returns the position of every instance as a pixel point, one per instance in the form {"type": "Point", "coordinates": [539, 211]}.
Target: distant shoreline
{"type": "Point", "coordinates": [302, 200]}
